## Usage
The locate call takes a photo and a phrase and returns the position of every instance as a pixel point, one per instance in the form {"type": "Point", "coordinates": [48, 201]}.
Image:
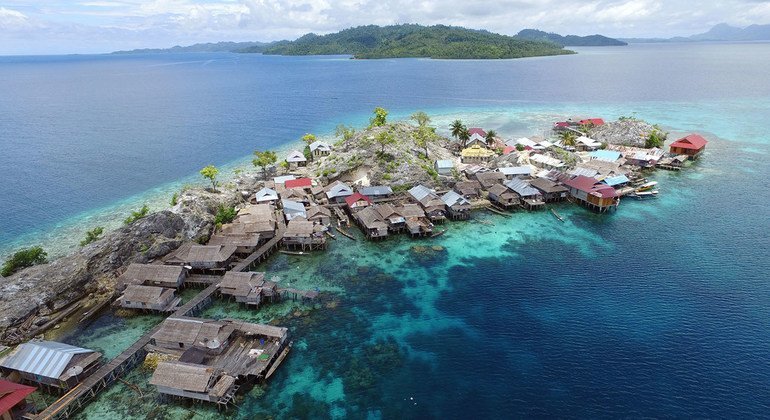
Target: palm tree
{"type": "Point", "coordinates": [491, 134]}
{"type": "Point", "coordinates": [568, 138]}
{"type": "Point", "coordinates": [464, 136]}
{"type": "Point", "coordinates": [457, 128]}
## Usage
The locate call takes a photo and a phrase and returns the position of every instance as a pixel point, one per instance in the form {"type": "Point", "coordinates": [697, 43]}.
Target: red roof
{"type": "Point", "coordinates": [352, 199]}
{"type": "Point", "coordinates": [589, 185]}
{"type": "Point", "coordinates": [693, 141]}
{"type": "Point", "coordinates": [12, 394]}
{"type": "Point", "coordinates": [476, 130]}
{"type": "Point", "coordinates": [508, 150]}
{"type": "Point", "coordinates": [594, 121]}
{"type": "Point", "coordinates": [299, 183]}
{"type": "Point", "coordinates": [561, 124]}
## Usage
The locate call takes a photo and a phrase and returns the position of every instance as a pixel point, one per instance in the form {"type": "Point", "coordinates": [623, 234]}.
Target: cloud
{"type": "Point", "coordinates": [88, 25]}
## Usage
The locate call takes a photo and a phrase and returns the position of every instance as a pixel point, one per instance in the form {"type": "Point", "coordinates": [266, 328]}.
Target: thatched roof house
{"type": "Point", "coordinates": [304, 234]}
{"type": "Point", "coordinates": [152, 275]}
{"type": "Point", "coordinates": [247, 287]}
{"type": "Point", "coordinates": [203, 257]}
{"type": "Point", "coordinates": [151, 298]}
{"type": "Point", "coordinates": [373, 225]}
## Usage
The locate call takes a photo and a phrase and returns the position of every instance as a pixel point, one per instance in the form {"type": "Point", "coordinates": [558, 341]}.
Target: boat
{"type": "Point", "coordinates": [557, 215]}
{"type": "Point", "coordinates": [283, 251]}
{"type": "Point", "coordinates": [641, 195]}
{"type": "Point", "coordinates": [342, 231]}
{"type": "Point", "coordinates": [439, 233]}
{"type": "Point", "coordinates": [646, 186]}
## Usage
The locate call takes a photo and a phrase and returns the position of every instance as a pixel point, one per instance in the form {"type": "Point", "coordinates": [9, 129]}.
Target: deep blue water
{"type": "Point", "coordinates": [658, 310]}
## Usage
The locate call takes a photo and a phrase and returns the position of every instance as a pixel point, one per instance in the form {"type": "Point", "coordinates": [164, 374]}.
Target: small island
{"type": "Point", "coordinates": [390, 178]}
{"type": "Point", "coordinates": [409, 40]}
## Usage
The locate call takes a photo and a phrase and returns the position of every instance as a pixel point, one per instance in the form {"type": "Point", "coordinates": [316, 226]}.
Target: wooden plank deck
{"type": "Point", "coordinates": [263, 252]}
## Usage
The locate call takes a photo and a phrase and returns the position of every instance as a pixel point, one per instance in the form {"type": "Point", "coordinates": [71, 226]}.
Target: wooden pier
{"type": "Point", "coordinates": [262, 252]}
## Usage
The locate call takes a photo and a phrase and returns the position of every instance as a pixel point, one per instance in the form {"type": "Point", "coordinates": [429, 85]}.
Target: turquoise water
{"type": "Point", "coordinates": [656, 310]}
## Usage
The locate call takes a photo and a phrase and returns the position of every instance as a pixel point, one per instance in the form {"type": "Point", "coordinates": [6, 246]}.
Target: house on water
{"type": "Point", "coordinates": [203, 257]}
{"type": "Point", "coordinates": [530, 197]}
{"type": "Point", "coordinates": [429, 201]}
{"type": "Point", "coordinates": [337, 191]}
{"type": "Point", "coordinates": [13, 400]}
{"type": "Point", "coordinates": [391, 216]}
{"type": "Point", "coordinates": [692, 146]}
{"type": "Point", "coordinates": [56, 366]}
{"type": "Point", "coordinates": [373, 225]}
{"type": "Point", "coordinates": [503, 197]}
{"type": "Point", "coordinates": [551, 191]}
{"type": "Point", "coordinates": [377, 192]}
{"type": "Point", "coordinates": [488, 179]}
{"type": "Point", "coordinates": [591, 193]}
{"type": "Point", "coordinates": [293, 209]}
{"type": "Point", "coordinates": [468, 189]}
{"type": "Point", "coordinates": [295, 159]}
{"type": "Point", "coordinates": [304, 235]}
{"type": "Point", "coordinates": [245, 243]}
{"type": "Point", "coordinates": [415, 220]}
{"type": "Point", "coordinates": [152, 275]}
{"type": "Point", "coordinates": [458, 207]}
{"type": "Point", "coordinates": [248, 287]}
{"type": "Point", "coordinates": [357, 202]}
{"type": "Point", "coordinates": [511, 172]}
{"type": "Point", "coordinates": [319, 214]}
{"type": "Point", "coordinates": [149, 298]}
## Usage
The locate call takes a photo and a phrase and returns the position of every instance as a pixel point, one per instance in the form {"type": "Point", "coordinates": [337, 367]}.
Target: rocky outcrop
{"type": "Point", "coordinates": [625, 132]}
{"type": "Point", "coordinates": [29, 297]}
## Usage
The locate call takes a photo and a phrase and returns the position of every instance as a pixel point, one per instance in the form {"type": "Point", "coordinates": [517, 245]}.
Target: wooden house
{"type": "Point", "coordinates": [244, 243]}
{"type": "Point", "coordinates": [319, 148]}
{"type": "Point", "coordinates": [458, 207]}
{"type": "Point", "coordinates": [502, 196]}
{"type": "Point", "coordinates": [551, 191]}
{"type": "Point", "coordinates": [265, 196]}
{"type": "Point", "coordinates": [13, 400]}
{"type": "Point", "coordinates": [430, 202]}
{"type": "Point", "coordinates": [444, 166]}
{"type": "Point", "coordinates": [337, 191]}
{"type": "Point", "coordinates": [357, 202]}
{"type": "Point", "coordinates": [377, 192]}
{"type": "Point", "coordinates": [53, 365]}
{"type": "Point", "coordinates": [150, 298]}
{"type": "Point", "coordinates": [511, 172]}
{"type": "Point", "coordinates": [203, 257]}
{"type": "Point", "coordinates": [476, 153]}
{"type": "Point", "coordinates": [193, 381]}
{"type": "Point", "coordinates": [674, 163]}
{"type": "Point", "coordinates": [304, 235]}
{"type": "Point", "coordinates": [152, 275]}
{"type": "Point", "coordinates": [391, 216]}
{"type": "Point", "coordinates": [415, 219]}
{"type": "Point", "coordinates": [590, 193]}
{"type": "Point", "coordinates": [293, 209]}
{"type": "Point", "coordinates": [529, 196]}
{"type": "Point", "coordinates": [692, 146]}
{"type": "Point", "coordinates": [319, 214]}
{"type": "Point", "coordinates": [295, 159]}
{"type": "Point", "coordinates": [182, 333]}
{"type": "Point", "coordinates": [248, 287]}
{"type": "Point", "coordinates": [586, 144]}
{"type": "Point", "coordinates": [468, 189]}
{"type": "Point", "coordinates": [370, 221]}
{"type": "Point", "coordinates": [488, 179]}
{"type": "Point", "coordinates": [258, 218]}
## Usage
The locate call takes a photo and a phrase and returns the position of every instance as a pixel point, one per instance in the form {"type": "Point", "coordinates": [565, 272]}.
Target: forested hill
{"type": "Point", "coordinates": [415, 41]}
{"type": "Point", "coordinates": [570, 40]}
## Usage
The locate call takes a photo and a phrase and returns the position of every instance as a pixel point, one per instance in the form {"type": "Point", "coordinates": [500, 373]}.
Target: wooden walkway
{"type": "Point", "coordinates": [77, 397]}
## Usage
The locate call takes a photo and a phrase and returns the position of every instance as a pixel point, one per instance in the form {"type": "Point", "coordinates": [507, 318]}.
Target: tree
{"type": "Point", "coordinates": [457, 128]}
{"type": "Point", "coordinates": [655, 139]}
{"type": "Point", "coordinates": [210, 172]}
{"type": "Point", "coordinates": [568, 138]}
{"type": "Point", "coordinates": [92, 235]}
{"type": "Point", "coordinates": [345, 132]}
{"type": "Point", "coordinates": [380, 117]}
{"type": "Point", "coordinates": [136, 215]}
{"type": "Point", "coordinates": [491, 134]}
{"type": "Point", "coordinates": [464, 136]}
{"type": "Point", "coordinates": [421, 118]}
{"type": "Point", "coordinates": [424, 136]}
{"type": "Point", "coordinates": [308, 138]}
{"type": "Point", "coordinates": [264, 159]}
{"type": "Point", "coordinates": [384, 138]}
{"type": "Point", "coordinates": [23, 259]}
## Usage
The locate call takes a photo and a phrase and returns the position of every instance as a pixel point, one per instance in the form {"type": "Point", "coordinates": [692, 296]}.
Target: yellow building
{"type": "Point", "coordinates": [476, 153]}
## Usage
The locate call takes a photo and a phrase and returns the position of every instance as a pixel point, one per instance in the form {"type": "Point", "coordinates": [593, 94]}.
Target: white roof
{"type": "Point", "coordinates": [339, 190]}
{"type": "Point", "coordinates": [515, 170]}
{"type": "Point", "coordinates": [476, 136]}
{"type": "Point", "coordinates": [296, 156]}
{"type": "Point", "coordinates": [588, 141]}
{"type": "Point", "coordinates": [282, 179]}
{"type": "Point", "coordinates": [320, 145]}
{"type": "Point", "coordinates": [445, 163]}
{"type": "Point", "coordinates": [451, 198]}
{"type": "Point", "coordinates": [266, 194]}
{"type": "Point", "coordinates": [546, 160]}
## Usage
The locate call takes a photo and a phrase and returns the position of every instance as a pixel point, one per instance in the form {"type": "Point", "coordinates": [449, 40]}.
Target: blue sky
{"type": "Point", "coordinates": [86, 26]}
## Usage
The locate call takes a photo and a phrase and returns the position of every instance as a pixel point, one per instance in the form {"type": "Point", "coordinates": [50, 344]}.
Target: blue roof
{"type": "Point", "coordinates": [616, 180]}
{"type": "Point", "coordinates": [606, 155]}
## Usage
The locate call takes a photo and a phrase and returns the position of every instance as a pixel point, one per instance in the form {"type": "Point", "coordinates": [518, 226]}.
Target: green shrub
{"type": "Point", "coordinates": [224, 215]}
{"type": "Point", "coordinates": [92, 235]}
{"type": "Point", "coordinates": [174, 199]}
{"type": "Point", "coordinates": [136, 215]}
{"type": "Point", "coordinates": [23, 259]}
{"type": "Point", "coordinates": [387, 177]}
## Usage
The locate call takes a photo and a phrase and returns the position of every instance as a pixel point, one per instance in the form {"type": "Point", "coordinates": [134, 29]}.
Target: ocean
{"type": "Point", "coordinates": [657, 310]}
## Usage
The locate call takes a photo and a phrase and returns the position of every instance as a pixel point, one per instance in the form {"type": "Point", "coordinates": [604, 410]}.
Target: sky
{"type": "Point", "coordinates": [96, 26]}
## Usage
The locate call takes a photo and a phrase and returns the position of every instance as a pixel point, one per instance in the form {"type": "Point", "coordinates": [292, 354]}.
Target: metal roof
{"type": "Point", "coordinates": [445, 163]}
{"type": "Point", "coordinates": [376, 190]}
{"type": "Point", "coordinates": [339, 190]}
{"type": "Point", "coordinates": [451, 198]}
{"type": "Point", "coordinates": [294, 207]}
{"type": "Point", "coordinates": [295, 156]}
{"type": "Point", "coordinates": [606, 155]}
{"type": "Point", "coordinates": [516, 170]}
{"type": "Point", "coordinates": [320, 145]}
{"type": "Point", "coordinates": [283, 178]}
{"type": "Point", "coordinates": [584, 172]}
{"type": "Point", "coordinates": [266, 194]}
{"type": "Point", "coordinates": [44, 358]}
{"type": "Point", "coordinates": [522, 188]}
{"type": "Point", "coordinates": [616, 180]}
{"type": "Point", "coordinates": [420, 191]}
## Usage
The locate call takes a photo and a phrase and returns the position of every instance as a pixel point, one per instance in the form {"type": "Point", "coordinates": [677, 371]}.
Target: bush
{"type": "Point", "coordinates": [92, 235]}
{"type": "Point", "coordinates": [520, 147]}
{"type": "Point", "coordinates": [174, 199]}
{"type": "Point", "coordinates": [224, 215]}
{"type": "Point", "coordinates": [136, 215]}
{"type": "Point", "coordinates": [23, 259]}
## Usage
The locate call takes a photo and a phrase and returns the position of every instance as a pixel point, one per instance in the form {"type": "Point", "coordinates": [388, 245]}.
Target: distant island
{"type": "Point", "coordinates": [570, 40]}
{"type": "Point", "coordinates": [204, 47]}
{"type": "Point", "coordinates": [398, 41]}
{"type": "Point", "coordinates": [720, 32]}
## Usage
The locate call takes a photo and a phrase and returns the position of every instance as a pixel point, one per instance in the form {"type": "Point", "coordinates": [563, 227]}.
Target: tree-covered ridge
{"type": "Point", "coordinates": [570, 40]}
{"type": "Point", "coordinates": [416, 41]}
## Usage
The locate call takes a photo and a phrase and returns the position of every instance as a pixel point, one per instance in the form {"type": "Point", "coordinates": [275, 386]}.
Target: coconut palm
{"type": "Point", "coordinates": [568, 138]}
{"type": "Point", "coordinates": [457, 128]}
{"type": "Point", "coordinates": [491, 134]}
{"type": "Point", "coordinates": [464, 136]}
